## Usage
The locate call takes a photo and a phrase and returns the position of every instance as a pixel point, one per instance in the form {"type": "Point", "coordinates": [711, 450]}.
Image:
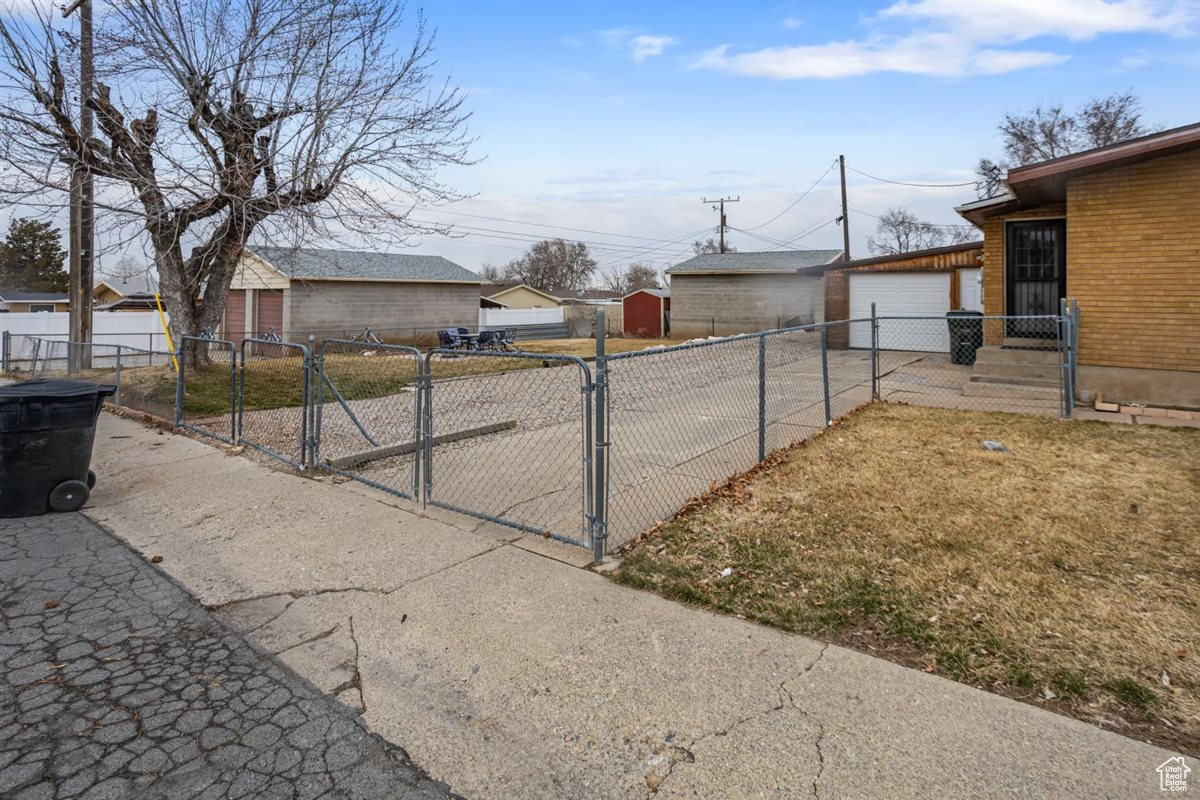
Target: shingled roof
{"type": "Point", "coordinates": [769, 261]}
{"type": "Point", "coordinates": [351, 265]}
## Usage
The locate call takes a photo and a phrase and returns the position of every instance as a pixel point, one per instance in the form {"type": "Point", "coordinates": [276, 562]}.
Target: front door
{"type": "Point", "coordinates": [1035, 274]}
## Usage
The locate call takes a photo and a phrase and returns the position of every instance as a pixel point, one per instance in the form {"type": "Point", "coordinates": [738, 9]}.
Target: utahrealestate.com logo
{"type": "Point", "coordinates": [1172, 775]}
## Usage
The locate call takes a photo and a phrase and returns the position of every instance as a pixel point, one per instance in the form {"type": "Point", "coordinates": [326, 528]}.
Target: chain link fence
{"type": "Point", "coordinates": [591, 454]}
{"type": "Point", "coordinates": [508, 439]}
{"type": "Point", "coordinates": [206, 397]}
{"type": "Point", "coordinates": [1015, 364]}
{"type": "Point", "coordinates": [273, 400]}
{"type": "Point", "coordinates": [368, 413]}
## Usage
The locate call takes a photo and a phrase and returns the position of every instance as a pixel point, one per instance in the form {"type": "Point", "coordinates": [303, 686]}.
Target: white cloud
{"type": "Point", "coordinates": [642, 47]}
{"type": "Point", "coordinates": [791, 23]}
{"type": "Point", "coordinates": [954, 38]}
{"type": "Point", "coordinates": [639, 46]}
{"type": "Point", "coordinates": [1005, 21]}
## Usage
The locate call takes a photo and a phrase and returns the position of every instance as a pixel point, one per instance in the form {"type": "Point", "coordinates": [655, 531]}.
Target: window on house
{"type": "Point", "coordinates": [41, 307]}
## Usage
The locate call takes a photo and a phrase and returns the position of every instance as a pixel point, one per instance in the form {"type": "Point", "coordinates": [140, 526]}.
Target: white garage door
{"type": "Point", "coordinates": [902, 294]}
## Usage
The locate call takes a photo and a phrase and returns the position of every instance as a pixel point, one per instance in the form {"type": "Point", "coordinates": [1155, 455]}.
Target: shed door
{"type": "Point", "coordinates": [902, 294]}
{"type": "Point", "coordinates": [268, 311]}
{"type": "Point", "coordinates": [970, 289]}
{"type": "Point", "coordinates": [235, 315]}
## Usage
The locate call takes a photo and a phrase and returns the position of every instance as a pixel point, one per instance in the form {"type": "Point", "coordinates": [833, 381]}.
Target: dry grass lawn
{"type": "Point", "coordinates": [1065, 572]}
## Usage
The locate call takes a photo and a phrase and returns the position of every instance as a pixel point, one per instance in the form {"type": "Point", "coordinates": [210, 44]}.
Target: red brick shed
{"type": "Point", "coordinates": [647, 312]}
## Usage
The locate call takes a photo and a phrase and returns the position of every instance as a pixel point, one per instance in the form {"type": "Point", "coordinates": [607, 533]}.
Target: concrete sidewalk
{"type": "Point", "coordinates": [509, 673]}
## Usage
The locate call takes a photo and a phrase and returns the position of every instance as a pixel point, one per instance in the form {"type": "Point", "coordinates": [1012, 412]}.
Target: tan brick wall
{"type": "Point", "coordinates": [1133, 262]}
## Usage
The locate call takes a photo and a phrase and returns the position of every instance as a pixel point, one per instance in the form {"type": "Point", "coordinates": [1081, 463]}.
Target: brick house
{"type": "Point", "coordinates": [917, 283]}
{"type": "Point", "coordinates": [331, 293]}
{"type": "Point", "coordinates": [1118, 229]}
{"type": "Point", "coordinates": [719, 294]}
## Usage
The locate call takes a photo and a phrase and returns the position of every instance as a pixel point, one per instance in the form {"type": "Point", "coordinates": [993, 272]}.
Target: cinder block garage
{"type": "Point", "coordinates": [328, 293]}
{"type": "Point", "coordinates": [721, 294]}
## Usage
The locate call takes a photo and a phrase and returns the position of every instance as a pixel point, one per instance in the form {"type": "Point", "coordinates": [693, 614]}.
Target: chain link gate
{"type": "Point", "coordinates": [274, 396]}
{"type": "Point", "coordinates": [210, 407]}
{"type": "Point", "coordinates": [508, 438]}
{"type": "Point", "coordinates": [367, 419]}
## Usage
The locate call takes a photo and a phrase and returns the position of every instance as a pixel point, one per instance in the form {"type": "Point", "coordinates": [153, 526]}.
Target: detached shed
{"type": "Point", "coordinates": [647, 312]}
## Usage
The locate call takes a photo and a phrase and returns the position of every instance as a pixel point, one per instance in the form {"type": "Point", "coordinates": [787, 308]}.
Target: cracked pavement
{"type": "Point", "coordinates": [507, 671]}
{"type": "Point", "coordinates": [118, 684]}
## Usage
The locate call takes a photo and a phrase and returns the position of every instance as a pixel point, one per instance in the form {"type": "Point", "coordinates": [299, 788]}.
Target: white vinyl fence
{"type": "Point", "coordinates": [141, 329]}
{"type": "Point", "coordinates": [512, 317]}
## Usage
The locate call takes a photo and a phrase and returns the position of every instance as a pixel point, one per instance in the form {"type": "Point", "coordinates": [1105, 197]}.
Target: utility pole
{"type": "Point", "coordinates": [719, 204]}
{"type": "Point", "coordinates": [845, 212]}
{"type": "Point", "coordinates": [82, 233]}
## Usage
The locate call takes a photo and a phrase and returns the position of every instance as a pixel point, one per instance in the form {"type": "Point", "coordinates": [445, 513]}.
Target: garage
{"type": "Point", "coordinates": [902, 294]}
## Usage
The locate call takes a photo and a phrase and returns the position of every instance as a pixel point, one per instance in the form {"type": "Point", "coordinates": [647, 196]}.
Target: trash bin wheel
{"type": "Point", "coordinates": [91, 481]}
{"type": "Point", "coordinates": [69, 496]}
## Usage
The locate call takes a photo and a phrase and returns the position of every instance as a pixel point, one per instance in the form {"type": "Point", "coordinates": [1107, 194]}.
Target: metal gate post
{"type": "Point", "coordinates": [762, 396]}
{"type": "Point", "coordinates": [600, 463]}
{"type": "Point", "coordinates": [825, 374]}
{"type": "Point", "coordinates": [317, 362]}
{"type": "Point", "coordinates": [5, 351]}
{"type": "Point", "coordinates": [306, 408]}
{"type": "Point", "coordinates": [418, 429]}
{"type": "Point", "coordinates": [117, 381]}
{"type": "Point", "coordinates": [178, 381]}
{"type": "Point", "coordinates": [874, 354]}
{"type": "Point", "coordinates": [427, 427]}
{"type": "Point", "coordinates": [234, 383]}
{"type": "Point", "coordinates": [241, 395]}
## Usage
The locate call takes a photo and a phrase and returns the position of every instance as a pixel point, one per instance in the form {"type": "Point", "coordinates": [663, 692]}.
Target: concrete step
{"type": "Point", "coordinates": [992, 354]}
{"type": "Point", "coordinates": [1029, 343]}
{"type": "Point", "coordinates": [1017, 371]}
{"type": "Point", "coordinates": [1015, 380]}
{"type": "Point", "coordinates": [1011, 391]}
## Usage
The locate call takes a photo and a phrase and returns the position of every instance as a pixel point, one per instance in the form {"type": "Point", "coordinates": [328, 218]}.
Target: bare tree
{"type": "Point", "coordinates": [490, 273]}
{"type": "Point", "coordinates": [641, 276]}
{"type": "Point", "coordinates": [1049, 132]}
{"type": "Point", "coordinates": [711, 245]}
{"type": "Point", "coordinates": [222, 119]}
{"type": "Point", "coordinates": [900, 231]}
{"type": "Point", "coordinates": [626, 280]}
{"type": "Point", "coordinates": [553, 264]}
{"type": "Point", "coordinates": [127, 269]}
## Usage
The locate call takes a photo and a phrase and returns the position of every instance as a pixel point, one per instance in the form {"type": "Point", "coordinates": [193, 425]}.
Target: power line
{"type": "Point", "coordinates": [931, 224]}
{"type": "Point", "coordinates": [540, 224]}
{"type": "Point", "coordinates": [907, 183]}
{"type": "Point", "coordinates": [794, 202]}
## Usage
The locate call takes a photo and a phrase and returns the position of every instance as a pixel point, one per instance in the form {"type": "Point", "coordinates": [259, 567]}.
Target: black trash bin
{"type": "Point", "coordinates": [966, 335]}
{"type": "Point", "coordinates": [47, 428]}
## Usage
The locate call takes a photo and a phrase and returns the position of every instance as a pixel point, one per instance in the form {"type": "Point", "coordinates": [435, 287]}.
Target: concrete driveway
{"type": "Point", "coordinates": [507, 670]}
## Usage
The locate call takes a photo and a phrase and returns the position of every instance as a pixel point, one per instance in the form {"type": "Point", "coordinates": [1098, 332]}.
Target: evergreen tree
{"type": "Point", "coordinates": [32, 257]}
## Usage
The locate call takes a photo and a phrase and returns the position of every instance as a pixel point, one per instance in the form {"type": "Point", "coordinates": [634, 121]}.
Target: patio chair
{"type": "Point", "coordinates": [489, 340]}
{"type": "Point", "coordinates": [463, 331]}
{"type": "Point", "coordinates": [448, 340]}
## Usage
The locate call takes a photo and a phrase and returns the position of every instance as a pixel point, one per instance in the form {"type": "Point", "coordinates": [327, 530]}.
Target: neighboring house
{"type": "Point", "coordinates": [918, 283]}
{"type": "Point", "coordinates": [1118, 229]}
{"type": "Point", "coordinates": [302, 291]}
{"type": "Point", "coordinates": [517, 295]}
{"type": "Point", "coordinates": [728, 293]}
{"type": "Point", "coordinates": [17, 301]}
{"type": "Point", "coordinates": [132, 295]}
{"type": "Point", "coordinates": [647, 312]}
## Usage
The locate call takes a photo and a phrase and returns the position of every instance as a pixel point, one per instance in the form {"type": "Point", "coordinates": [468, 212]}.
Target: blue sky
{"type": "Point", "coordinates": [618, 117]}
